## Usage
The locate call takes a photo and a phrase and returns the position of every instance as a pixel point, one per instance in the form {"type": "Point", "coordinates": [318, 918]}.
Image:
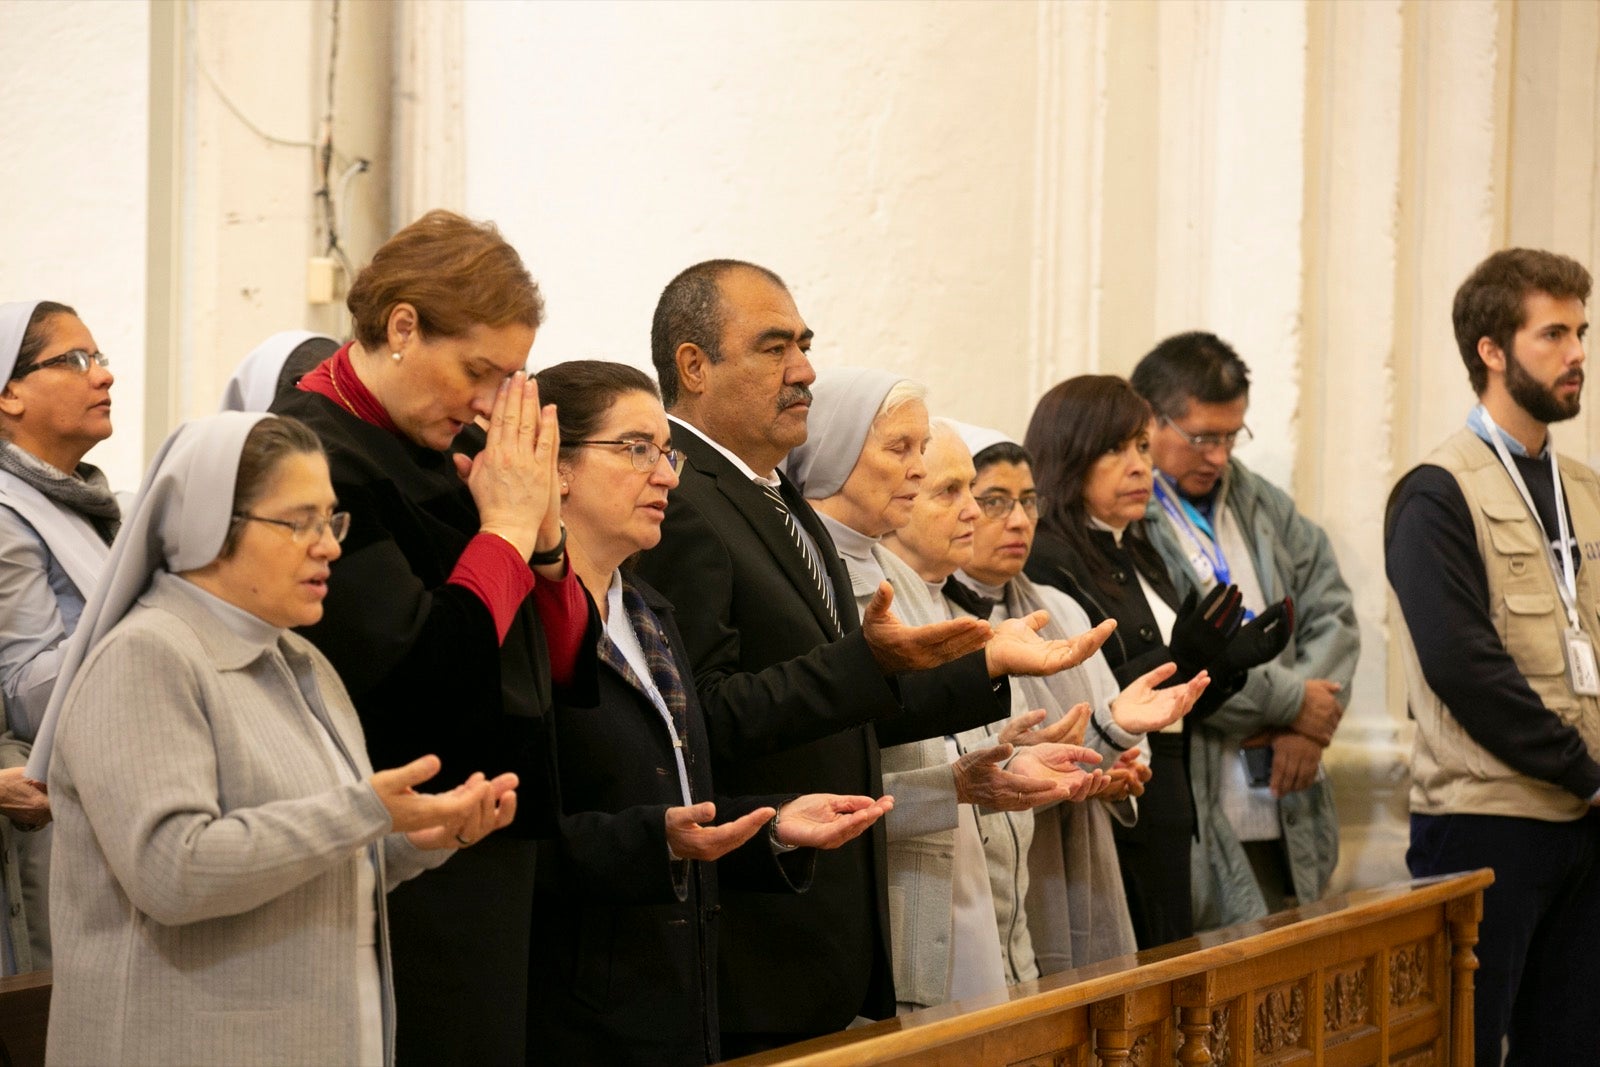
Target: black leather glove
{"type": "Point", "coordinates": [1258, 641]}
{"type": "Point", "coordinates": [1204, 630]}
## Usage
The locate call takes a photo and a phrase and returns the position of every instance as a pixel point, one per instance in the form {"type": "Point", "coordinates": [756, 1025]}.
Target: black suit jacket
{"type": "Point", "coordinates": [789, 704]}
{"type": "Point", "coordinates": [624, 969]}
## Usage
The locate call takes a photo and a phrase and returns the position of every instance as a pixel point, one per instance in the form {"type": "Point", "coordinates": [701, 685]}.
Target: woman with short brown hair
{"type": "Point", "coordinates": [451, 588]}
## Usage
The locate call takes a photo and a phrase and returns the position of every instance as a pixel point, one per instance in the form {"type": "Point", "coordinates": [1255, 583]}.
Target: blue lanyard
{"type": "Point", "coordinates": [1198, 531]}
{"type": "Point", "coordinates": [1195, 529]}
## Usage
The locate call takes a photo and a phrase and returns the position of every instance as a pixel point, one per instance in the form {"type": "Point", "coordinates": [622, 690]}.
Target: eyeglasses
{"type": "Point", "coordinates": [645, 454]}
{"type": "Point", "coordinates": [1205, 442]}
{"type": "Point", "coordinates": [305, 531]}
{"type": "Point", "coordinates": [1000, 505]}
{"type": "Point", "coordinates": [77, 359]}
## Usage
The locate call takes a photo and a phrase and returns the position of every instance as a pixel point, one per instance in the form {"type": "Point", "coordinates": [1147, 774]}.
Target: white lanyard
{"type": "Point", "coordinates": [1565, 574]}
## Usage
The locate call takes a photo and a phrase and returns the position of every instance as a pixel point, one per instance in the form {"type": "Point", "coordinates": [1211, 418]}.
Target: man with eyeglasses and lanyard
{"type": "Point", "coordinates": [1491, 546]}
{"type": "Point", "coordinates": [1268, 833]}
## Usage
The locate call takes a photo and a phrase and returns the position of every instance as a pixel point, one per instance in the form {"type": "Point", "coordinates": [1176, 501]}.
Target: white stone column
{"type": "Point", "coordinates": [1344, 467]}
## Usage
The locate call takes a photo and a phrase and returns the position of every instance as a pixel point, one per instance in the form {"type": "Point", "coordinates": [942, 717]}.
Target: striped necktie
{"type": "Point", "coordinates": [814, 567]}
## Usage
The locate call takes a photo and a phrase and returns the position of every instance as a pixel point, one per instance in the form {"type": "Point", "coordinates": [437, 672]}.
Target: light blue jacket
{"type": "Point", "coordinates": [1292, 557]}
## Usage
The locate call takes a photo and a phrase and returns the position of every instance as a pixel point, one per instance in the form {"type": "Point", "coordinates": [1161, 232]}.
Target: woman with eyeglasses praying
{"type": "Point", "coordinates": [1090, 442]}
{"type": "Point", "coordinates": [452, 616]}
{"type": "Point", "coordinates": [223, 845]}
{"type": "Point", "coordinates": [57, 520]}
{"type": "Point", "coordinates": [626, 916]}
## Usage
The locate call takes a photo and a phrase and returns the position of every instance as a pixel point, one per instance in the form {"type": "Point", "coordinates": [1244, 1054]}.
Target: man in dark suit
{"type": "Point", "coordinates": [797, 693]}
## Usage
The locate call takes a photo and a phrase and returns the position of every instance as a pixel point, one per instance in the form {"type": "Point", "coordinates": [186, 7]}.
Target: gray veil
{"type": "Point", "coordinates": [177, 523]}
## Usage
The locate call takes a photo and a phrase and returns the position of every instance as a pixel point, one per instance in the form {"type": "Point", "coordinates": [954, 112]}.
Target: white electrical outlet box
{"type": "Point", "coordinates": [321, 272]}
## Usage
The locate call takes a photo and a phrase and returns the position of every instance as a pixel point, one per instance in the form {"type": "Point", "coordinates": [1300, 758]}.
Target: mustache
{"type": "Point", "coordinates": [1572, 377]}
{"type": "Point", "coordinates": [792, 395]}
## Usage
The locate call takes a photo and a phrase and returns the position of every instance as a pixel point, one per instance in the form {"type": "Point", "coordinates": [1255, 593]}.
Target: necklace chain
{"type": "Point", "coordinates": [333, 375]}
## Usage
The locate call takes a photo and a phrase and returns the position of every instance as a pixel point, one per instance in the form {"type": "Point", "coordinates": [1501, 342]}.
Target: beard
{"type": "Point", "coordinates": [1540, 401]}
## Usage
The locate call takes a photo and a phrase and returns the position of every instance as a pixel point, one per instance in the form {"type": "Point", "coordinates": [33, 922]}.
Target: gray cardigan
{"type": "Point", "coordinates": [207, 848]}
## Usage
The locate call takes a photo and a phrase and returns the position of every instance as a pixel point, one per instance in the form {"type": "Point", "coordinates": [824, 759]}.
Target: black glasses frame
{"type": "Point", "coordinates": [77, 359]}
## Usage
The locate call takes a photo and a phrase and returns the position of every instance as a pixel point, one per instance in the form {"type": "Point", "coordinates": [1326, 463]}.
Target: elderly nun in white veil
{"type": "Point", "coordinates": [221, 840]}
{"type": "Point", "coordinates": [956, 920]}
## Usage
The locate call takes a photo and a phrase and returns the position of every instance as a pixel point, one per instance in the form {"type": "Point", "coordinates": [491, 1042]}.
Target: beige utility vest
{"type": "Point", "coordinates": [1451, 773]}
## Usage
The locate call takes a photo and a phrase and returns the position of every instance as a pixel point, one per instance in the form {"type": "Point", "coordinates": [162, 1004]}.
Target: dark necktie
{"type": "Point", "coordinates": [968, 599]}
{"type": "Point", "coordinates": [814, 566]}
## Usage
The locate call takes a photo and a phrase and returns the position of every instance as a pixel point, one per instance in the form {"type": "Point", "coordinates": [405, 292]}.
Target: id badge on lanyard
{"type": "Point", "coordinates": [1582, 673]}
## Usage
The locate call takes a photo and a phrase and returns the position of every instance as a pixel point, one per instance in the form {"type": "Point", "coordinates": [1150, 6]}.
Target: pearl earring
{"type": "Point", "coordinates": [395, 356]}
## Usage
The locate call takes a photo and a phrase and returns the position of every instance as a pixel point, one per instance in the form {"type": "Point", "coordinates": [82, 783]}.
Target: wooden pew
{"type": "Point", "coordinates": [1378, 976]}
{"type": "Point", "coordinates": [24, 1012]}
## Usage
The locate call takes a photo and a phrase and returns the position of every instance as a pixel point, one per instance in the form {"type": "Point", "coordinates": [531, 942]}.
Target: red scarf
{"type": "Point", "coordinates": [336, 379]}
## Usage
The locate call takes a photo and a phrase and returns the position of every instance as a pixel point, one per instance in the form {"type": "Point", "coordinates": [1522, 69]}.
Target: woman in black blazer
{"type": "Point", "coordinates": [450, 593]}
{"type": "Point", "coordinates": [625, 913]}
{"type": "Point", "coordinates": [1090, 439]}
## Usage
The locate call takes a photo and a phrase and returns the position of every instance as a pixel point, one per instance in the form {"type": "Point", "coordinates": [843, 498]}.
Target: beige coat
{"type": "Point", "coordinates": [207, 849]}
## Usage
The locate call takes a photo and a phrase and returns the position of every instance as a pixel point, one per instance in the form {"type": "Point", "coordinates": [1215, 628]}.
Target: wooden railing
{"type": "Point", "coordinates": [1379, 976]}
{"type": "Point", "coordinates": [1390, 969]}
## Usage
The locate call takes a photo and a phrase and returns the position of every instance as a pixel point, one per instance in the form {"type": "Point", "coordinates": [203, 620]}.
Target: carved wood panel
{"type": "Point", "coordinates": [1281, 1018]}
{"type": "Point", "coordinates": [1222, 1036]}
{"type": "Point", "coordinates": [1410, 975]}
{"type": "Point", "coordinates": [1346, 998]}
{"type": "Point", "coordinates": [1422, 1057]}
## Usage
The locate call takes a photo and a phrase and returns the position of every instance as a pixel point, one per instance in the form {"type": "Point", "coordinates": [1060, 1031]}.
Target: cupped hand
{"type": "Point", "coordinates": [691, 837]}
{"type": "Point", "coordinates": [1024, 729]}
{"type": "Point", "coordinates": [1204, 627]}
{"type": "Point", "coordinates": [827, 820]}
{"type": "Point", "coordinates": [1141, 708]}
{"type": "Point", "coordinates": [1017, 648]}
{"type": "Point", "coordinates": [513, 479]}
{"type": "Point", "coordinates": [1259, 641]}
{"type": "Point", "coordinates": [1129, 775]}
{"type": "Point", "coordinates": [981, 780]}
{"type": "Point", "coordinates": [1063, 765]}
{"type": "Point", "coordinates": [461, 816]}
{"type": "Point", "coordinates": [898, 648]}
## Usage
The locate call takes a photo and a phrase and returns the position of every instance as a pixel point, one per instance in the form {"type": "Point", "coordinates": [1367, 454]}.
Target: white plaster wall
{"type": "Point", "coordinates": [252, 218]}
{"type": "Point", "coordinates": [878, 156]}
{"type": "Point", "coordinates": [74, 88]}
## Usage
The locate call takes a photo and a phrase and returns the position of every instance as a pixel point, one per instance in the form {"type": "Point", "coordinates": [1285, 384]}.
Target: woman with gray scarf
{"type": "Point", "coordinates": [57, 520]}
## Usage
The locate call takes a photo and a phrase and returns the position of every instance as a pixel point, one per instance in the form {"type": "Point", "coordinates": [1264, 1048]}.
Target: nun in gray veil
{"type": "Point", "coordinates": [222, 844]}
{"type": "Point", "coordinates": [57, 519]}
{"type": "Point", "coordinates": [273, 367]}
{"type": "Point", "coordinates": [959, 833]}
